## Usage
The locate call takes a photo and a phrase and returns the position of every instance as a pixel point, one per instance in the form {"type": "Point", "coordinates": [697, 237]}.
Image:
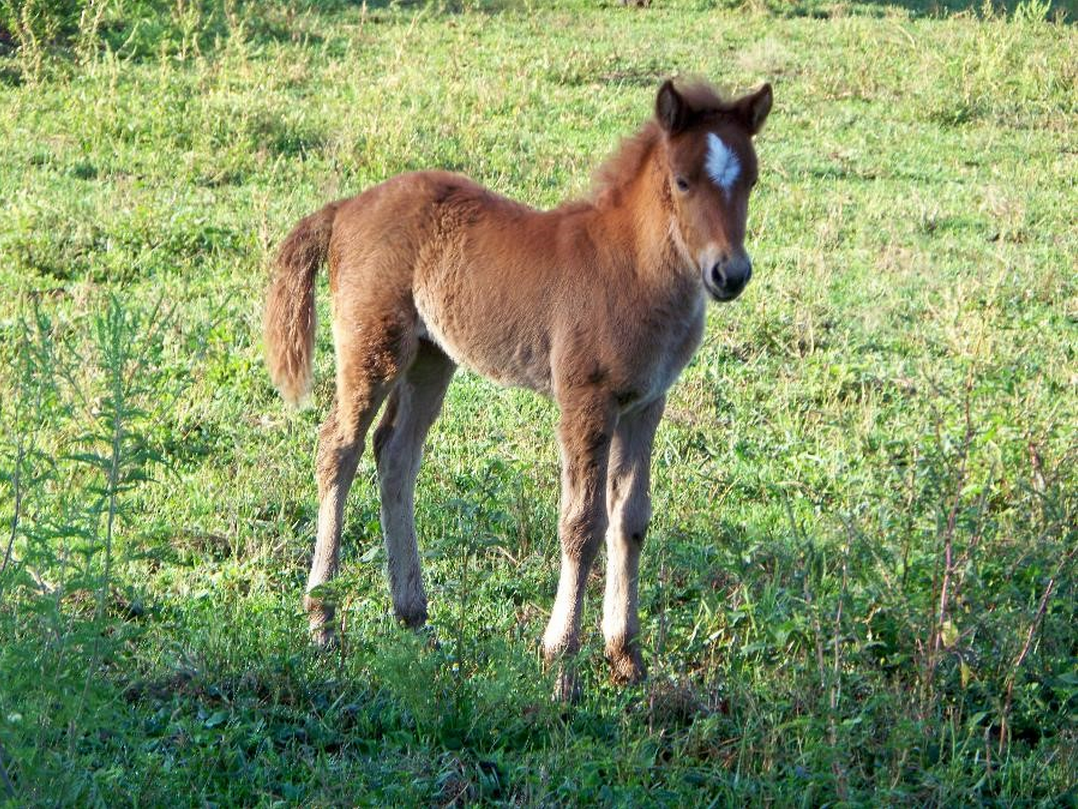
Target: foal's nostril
{"type": "Point", "coordinates": [728, 276]}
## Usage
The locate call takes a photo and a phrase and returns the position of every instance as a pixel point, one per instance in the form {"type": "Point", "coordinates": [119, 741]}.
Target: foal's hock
{"type": "Point", "coordinates": [598, 304]}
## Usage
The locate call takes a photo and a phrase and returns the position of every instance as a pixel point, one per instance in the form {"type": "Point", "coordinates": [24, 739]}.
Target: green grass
{"type": "Point", "coordinates": [897, 387]}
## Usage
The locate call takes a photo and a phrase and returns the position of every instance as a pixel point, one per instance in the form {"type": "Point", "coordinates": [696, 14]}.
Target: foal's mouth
{"type": "Point", "coordinates": [720, 297]}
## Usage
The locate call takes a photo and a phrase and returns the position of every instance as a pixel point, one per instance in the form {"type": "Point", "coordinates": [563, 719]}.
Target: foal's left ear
{"type": "Point", "coordinates": [671, 109]}
{"type": "Point", "coordinates": [754, 109]}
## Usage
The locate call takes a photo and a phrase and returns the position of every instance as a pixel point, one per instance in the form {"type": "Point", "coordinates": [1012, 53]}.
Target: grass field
{"type": "Point", "coordinates": [859, 585]}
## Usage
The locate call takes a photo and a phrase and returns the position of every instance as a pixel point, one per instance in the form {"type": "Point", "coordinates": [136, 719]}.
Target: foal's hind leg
{"type": "Point", "coordinates": [369, 360]}
{"type": "Point", "coordinates": [629, 505]}
{"type": "Point", "coordinates": [412, 408]}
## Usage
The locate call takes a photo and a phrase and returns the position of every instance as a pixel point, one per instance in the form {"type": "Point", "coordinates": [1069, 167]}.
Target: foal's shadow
{"type": "Point", "coordinates": [1059, 10]}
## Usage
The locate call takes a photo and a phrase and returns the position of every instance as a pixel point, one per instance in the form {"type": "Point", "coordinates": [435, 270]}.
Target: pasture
{"type": "Point", "coordinates": [859, 582]}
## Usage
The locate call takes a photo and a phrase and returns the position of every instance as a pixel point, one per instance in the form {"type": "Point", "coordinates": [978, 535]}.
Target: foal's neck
{"type": "Point", "coordinates": [645, 212]}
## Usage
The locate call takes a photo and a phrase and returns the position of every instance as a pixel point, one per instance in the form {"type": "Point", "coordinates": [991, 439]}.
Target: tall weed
{"type": "Point", "coordinates": [84, 424]}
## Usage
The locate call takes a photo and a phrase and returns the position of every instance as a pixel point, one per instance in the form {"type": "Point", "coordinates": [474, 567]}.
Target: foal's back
{"type": "Point", "coordinates": [498, 286]}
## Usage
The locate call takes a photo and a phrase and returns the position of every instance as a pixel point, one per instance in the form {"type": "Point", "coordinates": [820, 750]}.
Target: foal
{"type": "Point", "coordinates": [598, 304]}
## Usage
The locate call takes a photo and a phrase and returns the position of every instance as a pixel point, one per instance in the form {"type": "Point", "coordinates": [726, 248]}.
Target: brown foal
{"type": "Point", "coordinates": [598, 304]}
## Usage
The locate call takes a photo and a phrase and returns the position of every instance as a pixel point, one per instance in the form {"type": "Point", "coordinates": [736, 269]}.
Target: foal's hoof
{"type": "Point", "coordinates": [320, 622]}
{"type": "Point", "coordinates": [325, 638]}
{"type": "Point", "coordinates": [411, 618]}
{"type": "Point", "coordinates": [567, 688]}
{"type": "Point", "coordinates": [626, 666]}
{"type": "Point", "coordinates": [429, 635]}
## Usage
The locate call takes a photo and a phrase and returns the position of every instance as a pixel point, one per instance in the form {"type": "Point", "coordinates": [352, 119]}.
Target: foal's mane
{"type": "Point", "coordinates": [628, 160]}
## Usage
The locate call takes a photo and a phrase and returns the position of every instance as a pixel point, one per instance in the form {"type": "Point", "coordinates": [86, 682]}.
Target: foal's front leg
{"type": "Point", "coordinates": [584, 435]}
{"type": "Point", "coordinates": [629, 501]}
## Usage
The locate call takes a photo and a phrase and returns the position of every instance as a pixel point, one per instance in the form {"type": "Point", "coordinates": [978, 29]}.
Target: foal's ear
{"type": "Point", "coordinates": [671, 109]}
{"type": "Point", "coordinates": [754, 108]}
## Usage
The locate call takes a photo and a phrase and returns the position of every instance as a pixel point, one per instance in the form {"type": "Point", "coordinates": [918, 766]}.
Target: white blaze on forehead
{"type": "Point", "coordinates": [722, 164]}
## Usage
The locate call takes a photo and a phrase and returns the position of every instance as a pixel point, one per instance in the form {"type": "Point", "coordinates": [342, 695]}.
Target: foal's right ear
{"type": "Point", "coordinates": [754, 108]}
{"type": "Point", "coordinates": [671, 109]}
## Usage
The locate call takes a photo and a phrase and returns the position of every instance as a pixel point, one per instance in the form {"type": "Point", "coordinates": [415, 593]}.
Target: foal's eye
{"type": "Point", "coordinates": [682, 184]}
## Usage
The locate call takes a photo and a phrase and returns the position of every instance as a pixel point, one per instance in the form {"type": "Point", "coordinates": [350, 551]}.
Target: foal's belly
{"type": "Point", "coordinates": [520, 360]}
{"type": "Point", "coordinates": [516, 350]}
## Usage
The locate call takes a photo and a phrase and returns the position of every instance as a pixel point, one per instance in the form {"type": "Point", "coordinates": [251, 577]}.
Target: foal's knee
{"type": "Point", "coordinates": [632, 517]}
{"type": "Point", "coordinates": [636, 530]}
{"type": "Point", "coordinates": [581, 537]}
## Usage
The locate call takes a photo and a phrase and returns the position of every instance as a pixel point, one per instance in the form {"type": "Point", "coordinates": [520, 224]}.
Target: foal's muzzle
{"type": "Point", "coordinates": [728, 276]}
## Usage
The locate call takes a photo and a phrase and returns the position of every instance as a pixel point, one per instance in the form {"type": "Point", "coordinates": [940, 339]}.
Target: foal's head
{"type": "Point", "coordinates": [711, 168]}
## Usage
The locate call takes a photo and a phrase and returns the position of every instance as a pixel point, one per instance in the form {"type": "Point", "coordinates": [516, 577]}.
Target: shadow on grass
{"type": "Point", "coordinates": [1052, 10]}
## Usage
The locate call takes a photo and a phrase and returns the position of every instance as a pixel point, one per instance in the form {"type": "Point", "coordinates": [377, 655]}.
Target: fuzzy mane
{"type": "Point", "coordinates": [627, 161]}
{"type": "Point", "coordinates": [623, 166]}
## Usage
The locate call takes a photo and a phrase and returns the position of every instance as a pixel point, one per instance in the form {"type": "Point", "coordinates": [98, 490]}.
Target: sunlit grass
{"type": "Point", "coordinates": [895, 388]}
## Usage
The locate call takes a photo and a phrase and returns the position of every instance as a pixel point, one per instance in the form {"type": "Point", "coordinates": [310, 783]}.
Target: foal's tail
{"type": "Point", "coordinates": [289, 323]}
